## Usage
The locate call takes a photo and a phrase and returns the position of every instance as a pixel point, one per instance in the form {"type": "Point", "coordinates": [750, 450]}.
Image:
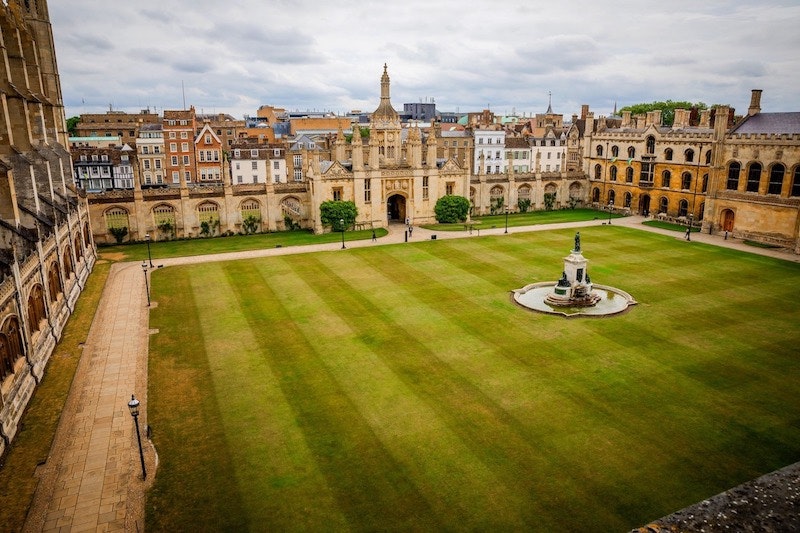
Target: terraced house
{"type": "Point", "coordinates": [46, 247]}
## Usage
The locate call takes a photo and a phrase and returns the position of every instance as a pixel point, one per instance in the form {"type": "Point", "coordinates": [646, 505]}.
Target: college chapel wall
{"type": "Point", "coordinates": [46, 250]}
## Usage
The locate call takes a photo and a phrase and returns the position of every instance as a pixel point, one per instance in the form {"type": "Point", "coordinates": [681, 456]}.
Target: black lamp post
{"type": "Point", "coordinates": [146, 285]}
{"type": "Point", "coordinates": [133, 405]}
{"type": "Point", "coordinates": [341, 225]}
{"type": "Point", "coordinates": [506, 220]}
{"type": "Point", "coordinates": [149, 257]}
{"type": "Point", "coordinates": [610, 208]}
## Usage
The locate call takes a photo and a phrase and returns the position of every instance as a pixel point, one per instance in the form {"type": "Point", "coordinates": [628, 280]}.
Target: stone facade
{"type": "Point", "coordinates": [46, 247]}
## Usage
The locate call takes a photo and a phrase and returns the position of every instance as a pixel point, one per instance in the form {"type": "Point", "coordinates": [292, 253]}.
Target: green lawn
{"type": "Point", "coordinates": [399, 388]}
{"type": "Point", "coordinates": [526, 219]}
{"type": "Point", "coordinates": [137, 251]}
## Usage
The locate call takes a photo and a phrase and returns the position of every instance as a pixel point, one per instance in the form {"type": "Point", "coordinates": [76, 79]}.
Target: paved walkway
{"type": "Point", "coordinates": [92, 480]}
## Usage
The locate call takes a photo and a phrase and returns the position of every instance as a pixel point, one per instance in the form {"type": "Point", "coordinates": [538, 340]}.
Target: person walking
{"type": "Point", "coordinates": [374, 237]}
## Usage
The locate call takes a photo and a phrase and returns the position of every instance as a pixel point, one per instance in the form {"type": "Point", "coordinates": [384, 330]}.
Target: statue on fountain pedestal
{"type": "Point", "coordinates": [577, 242]}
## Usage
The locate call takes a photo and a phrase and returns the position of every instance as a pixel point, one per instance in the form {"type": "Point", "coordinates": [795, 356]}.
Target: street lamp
{"type": "Point", "coordinates": [610, 208]}
{"type": "Point", "coordinates": [506, 219]}
{"type": "Point", "coordinates": [341, 225]}
{"type": "Point", "coordinates": [146, 285]}
{"type": "Point", "coordinates": [149, 257]}
{"type": "Point", "coordinates": [133, 405]}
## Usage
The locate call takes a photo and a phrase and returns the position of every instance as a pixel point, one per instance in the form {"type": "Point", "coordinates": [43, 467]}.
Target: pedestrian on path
{"type": "Point", "coordinates": [374, 237]}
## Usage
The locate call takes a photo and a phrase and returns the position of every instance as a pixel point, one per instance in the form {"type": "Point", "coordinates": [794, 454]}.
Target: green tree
{"type": "Point", "coordinates": [72, 122]}
{"type": "Point", "coordinates": [667, 109]}
{"type": "Point", "coordinates": [332, 212]}
{"type": "Point", "coordinates": [451, 208]}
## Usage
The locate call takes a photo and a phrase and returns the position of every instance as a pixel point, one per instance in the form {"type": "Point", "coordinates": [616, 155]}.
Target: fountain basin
{"type": "Point", "coordinates": [611, 300]}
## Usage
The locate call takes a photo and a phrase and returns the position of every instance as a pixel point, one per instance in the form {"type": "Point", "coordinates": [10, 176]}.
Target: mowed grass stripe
{"type": "Point", "coordinates": [183, 410]}
{"type": "Point", "coordinates": [456, 484]}
{"type": "Point", "coordinates": [485, 427]}
{"type": "Point", "coordinates": [624, 399]}
{"type": "Point", "coordinates": [579, 457]}
{"type": "Point", "coordinates": [370, 487]}
{"type": "Point", "coordinates": [267, 448]}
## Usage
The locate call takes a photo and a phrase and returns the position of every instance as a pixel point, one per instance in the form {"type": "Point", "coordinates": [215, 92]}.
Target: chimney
{"type": "Point", "coordinates": [626, 119]}
{"type": "Point", "coordinates": [584, 111]}
{"type": "Point", "coordinates": [705, 118]}
{"type": "Point", "coordinates": [755, 103]}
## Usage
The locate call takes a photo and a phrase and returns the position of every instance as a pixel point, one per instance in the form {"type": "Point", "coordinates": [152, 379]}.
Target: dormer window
{"type": "Point", "coordinates": [208, 139]}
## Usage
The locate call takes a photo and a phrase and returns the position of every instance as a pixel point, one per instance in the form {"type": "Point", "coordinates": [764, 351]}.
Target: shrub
{"type": "Point", "coordinates": [118, 233]}
{"type": "Point", "coordinates": [451, 208]}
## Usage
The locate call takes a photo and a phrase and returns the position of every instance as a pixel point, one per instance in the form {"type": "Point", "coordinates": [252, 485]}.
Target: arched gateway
{"type": "Point", "coordinates": [396, 208]}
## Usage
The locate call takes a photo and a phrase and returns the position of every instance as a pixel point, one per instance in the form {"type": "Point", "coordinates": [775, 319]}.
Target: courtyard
{"type": "Point", "coordinates": [399, 387]}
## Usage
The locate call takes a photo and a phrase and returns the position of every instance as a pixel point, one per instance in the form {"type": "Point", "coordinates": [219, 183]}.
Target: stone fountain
{"type": "Point", "coordinates": [574, 294]}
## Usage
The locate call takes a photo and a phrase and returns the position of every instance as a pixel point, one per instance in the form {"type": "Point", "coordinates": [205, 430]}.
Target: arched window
{"type": "Point", "coordinates": [683, 208]}
{"type": "Point", "coordinates": [87, 235]}
{"type": "Point", "coordinates": [705, 183]}
{"type": "Point", "coordinates": [596, 195]}
{"type": "Point", "coordinates": [598, 172]}
{"type": "Point", "coordinates": [753, 177]}
{"type": "Point", "coordinates": [53, 281]}
{"type": "Point", "coordinates": [651, 144]}
{"type": "Point", "coordinates": [524, 192]}
{"type": "Point", "coordinates": [67, 262]}
{"type": "Point", "coordinates": [208, 212]}
{"type": "Point", "coordinates": [734, 169]}
{"type": "Point", "coordinates": [612, 196]}
{"type": "Point", "coordinates": [117, 217]}
{"type": "Point", "coordinates": [613, 173]}
{"type": "Point", "coordinates": [36, 311]}
{"type": "Point", "coordinates": [628, 199]}
{"type": "Point", "coordinates": [629, 175]}
{"type": "Point", "coordinates": [292, 206]}
{"type": "Point", "coordinates": [686, 181]}
{"type": "Point", "coordinates": [615, 151]}
{"type": "Point", "coordinates": [10, 346]}
{"type": "Point", "coordinates": [250, 208]}
{"type": "Point", "coordinates": [689, 155]}
{"type": "Point", "coordinates": [78, 248]}
{"type": "Point", "coordinates": [496, 195]}
{"type": "Point", "coordinates": [164, 219]}
{"type": "Point", "coordinates": [668, 154]}
{"type": "Point", "coordinates": [663, 204]}
{"type": "Point", "coordinates": [796, 182]}
{"type": "Point", "coordinates": [631, 152]}
{"type": "Point", "coordinates": [708, 157]}
{"type": "Point", "coordinates": [665, 177]}
{"type": "Point", "coordinates": [776, 174]}
{"type": "Point", "coordinates": [599, 150]}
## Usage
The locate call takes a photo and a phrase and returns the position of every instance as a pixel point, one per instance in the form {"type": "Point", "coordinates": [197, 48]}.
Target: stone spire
{"type": "Point", "coordinates": [549, 103]}
{"type": "Point", "coordinates": [385, 109]}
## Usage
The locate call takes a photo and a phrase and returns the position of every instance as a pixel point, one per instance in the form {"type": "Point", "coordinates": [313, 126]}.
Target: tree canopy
{"type": "Point", "coordinates": [451, 208]}
{"type": "Point", "coordinates": [667, 109]}
{"type": "Point", "coordinates": [71, 123]}
{"type": "Point", "coordinates": [338, 214]}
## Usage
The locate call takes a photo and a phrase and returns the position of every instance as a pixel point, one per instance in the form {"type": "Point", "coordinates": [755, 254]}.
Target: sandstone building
{"type": "Point", "coordinates": [46, 247]}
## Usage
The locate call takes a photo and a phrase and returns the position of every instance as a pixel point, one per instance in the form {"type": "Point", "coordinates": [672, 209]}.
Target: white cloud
{"type": "Point", "coordinates": [310, 54]}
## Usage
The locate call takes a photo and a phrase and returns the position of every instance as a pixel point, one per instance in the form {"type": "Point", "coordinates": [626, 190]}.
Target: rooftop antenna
{"type": "Point", "coordinates": [183, 91]}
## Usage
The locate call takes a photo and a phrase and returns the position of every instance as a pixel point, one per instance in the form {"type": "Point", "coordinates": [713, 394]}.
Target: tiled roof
{"type": "Point", "coordinates": [774, 123]}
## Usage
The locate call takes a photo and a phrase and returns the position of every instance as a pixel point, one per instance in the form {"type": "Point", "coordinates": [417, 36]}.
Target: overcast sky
{"type": "Point", "coordinates": [232, 57]}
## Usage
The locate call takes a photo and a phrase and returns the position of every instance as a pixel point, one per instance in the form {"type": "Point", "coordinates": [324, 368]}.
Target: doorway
{"type": "Point", "coordinates": [727, 220]}
{"type": "Point", "coordinates": [644, 205]}
{"type": "Point", "coordinates": [396, 208]}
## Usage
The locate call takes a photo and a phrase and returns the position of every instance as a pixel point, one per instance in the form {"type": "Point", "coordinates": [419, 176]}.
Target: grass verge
{"type": "Point", "coordinates": [137, 251]}
{"type": "Point", "coordinates": [530, 218]}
